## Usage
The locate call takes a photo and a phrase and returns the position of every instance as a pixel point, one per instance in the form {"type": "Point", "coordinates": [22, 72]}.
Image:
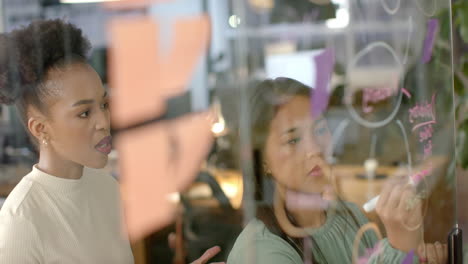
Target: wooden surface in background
{"type": "Point", "coordinates": [139, 252]}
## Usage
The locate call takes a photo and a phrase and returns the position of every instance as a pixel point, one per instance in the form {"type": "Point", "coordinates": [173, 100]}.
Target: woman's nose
{"type": "Point", "coordinates": [312, 147]}
{"type": "Point", "coordinates": [103, 120]}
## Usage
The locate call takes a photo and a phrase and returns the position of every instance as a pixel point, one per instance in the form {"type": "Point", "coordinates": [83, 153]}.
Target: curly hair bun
{"type": "Point", "coordinates": [28, 53]}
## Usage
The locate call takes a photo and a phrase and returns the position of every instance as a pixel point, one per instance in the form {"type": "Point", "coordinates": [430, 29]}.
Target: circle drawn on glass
{"type": "Point", "coordinates": [422, 4]}
{"type": "Point", "coordinates": [349, 93]}
{"type": "Point", "coordinates": [408, 43]}
{"type": "Point", "coordinates": [390, 10]}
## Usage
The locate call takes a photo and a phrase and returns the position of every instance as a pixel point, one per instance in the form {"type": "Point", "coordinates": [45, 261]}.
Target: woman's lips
{"type": "Point", "coordinates": [105, 145]}
{"type": "Point", "coordinates": [316, 172]}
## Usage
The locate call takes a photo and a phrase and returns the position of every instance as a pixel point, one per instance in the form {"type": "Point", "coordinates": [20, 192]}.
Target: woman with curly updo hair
{"type": "Point", "coordinates": [64, 210]}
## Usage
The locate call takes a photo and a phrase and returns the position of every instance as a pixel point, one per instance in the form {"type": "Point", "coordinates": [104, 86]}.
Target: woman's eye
{"type": "Point", "coordinates": [105, 105]}
{"type": "Point", "coordinates": [84, 114]}
{"type": "Point", "coordinates": [293, 141]}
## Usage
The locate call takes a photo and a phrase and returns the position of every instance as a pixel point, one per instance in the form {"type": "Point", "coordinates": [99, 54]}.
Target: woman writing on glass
{"type": "Point", "coordinates": [307, 220]}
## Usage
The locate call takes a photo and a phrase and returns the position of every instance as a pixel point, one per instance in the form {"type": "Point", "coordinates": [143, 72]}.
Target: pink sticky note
{"type": "Point", "coordinates": [324, 64]}
{"type": "Point", "coordinates": [143, 74]}
{"type": "Point", "coordinates": [432, 28]}
{"type": "Point", "coordinates": [157, 161]}
{"type": "Point", "coordinates": [409, 258]}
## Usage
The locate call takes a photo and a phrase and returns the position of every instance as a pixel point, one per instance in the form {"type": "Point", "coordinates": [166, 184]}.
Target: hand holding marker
{"type": "Point", "coordinates": [372, 203]}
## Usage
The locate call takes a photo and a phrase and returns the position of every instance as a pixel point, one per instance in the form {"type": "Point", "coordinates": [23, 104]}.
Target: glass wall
{"type": "Point", "coordinates": [315, 131]}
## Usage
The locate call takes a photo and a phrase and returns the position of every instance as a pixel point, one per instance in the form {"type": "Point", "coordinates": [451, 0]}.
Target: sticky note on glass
{"type": "Point", "coordinates": [408, 258]}
{"type": "Point", "coordinates": [130, 4]}
{"type": "Point", "coordinates": [143, 74]}
{"type": "Point", "coordinates": [133, 55]}
{"type": "Point", "coordinates": [429, 41]}
{"type": "Point", "coordinates": [156, 162]}
{"type": "Point", "coordinates": [324, 66]}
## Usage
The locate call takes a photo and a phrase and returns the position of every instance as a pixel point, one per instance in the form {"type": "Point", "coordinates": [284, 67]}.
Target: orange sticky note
{"type": "Point", "coordinates": [132, 71]}
{"type": "Point", "coordinates": [189, 43]}
{"type": "Point", "coordinates": [143, 164]}
{"type": "Point", "coordinates": [142, 75]}
{"type": "Point", "coordinates": [157, 161]}
{"type": "Point", "coordinates": [130, 4]}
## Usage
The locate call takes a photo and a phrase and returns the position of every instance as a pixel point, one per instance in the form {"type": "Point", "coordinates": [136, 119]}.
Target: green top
{"type": "Point", "coordinates": [334, 241]}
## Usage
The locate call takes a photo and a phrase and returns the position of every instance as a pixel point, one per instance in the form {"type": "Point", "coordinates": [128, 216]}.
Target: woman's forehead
{"type": "Point", "coordinates": [298, 108]}
{"type": "Point", "coordinates": [294, 114]}
{"type": "Point", "coordinates": [75, 82]}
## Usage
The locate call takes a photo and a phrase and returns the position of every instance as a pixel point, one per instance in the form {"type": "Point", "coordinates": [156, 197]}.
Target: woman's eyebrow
{"type": "Point", "coordinates": [87, 101]}
{"type": "Point", "coordinates": [289, 131]}
{"type": "Point", "coordinates": [82, 102]}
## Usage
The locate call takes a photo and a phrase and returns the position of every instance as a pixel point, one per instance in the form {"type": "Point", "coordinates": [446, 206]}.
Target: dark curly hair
{"type": "Point", "coordinates": [29, 53]}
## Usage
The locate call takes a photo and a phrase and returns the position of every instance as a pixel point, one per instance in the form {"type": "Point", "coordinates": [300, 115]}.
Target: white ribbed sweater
{"type": "Point", "coordinates": [51, 220]}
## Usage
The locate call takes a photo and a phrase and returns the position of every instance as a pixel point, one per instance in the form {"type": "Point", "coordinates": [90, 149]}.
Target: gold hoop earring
{"type": "Point", "coordinates": [266, 169]}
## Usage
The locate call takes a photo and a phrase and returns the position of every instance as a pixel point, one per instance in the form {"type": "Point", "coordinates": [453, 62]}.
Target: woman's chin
{"type": "Point", "coordinates": [312, 188]}
{"type": "Point", "coordinates": [97, 163]}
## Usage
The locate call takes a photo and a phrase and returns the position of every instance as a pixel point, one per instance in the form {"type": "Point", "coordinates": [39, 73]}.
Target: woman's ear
{"type": "Point", "coordinates": [266, 168]}
{"type": "Point", "coordinates": [37, 126]}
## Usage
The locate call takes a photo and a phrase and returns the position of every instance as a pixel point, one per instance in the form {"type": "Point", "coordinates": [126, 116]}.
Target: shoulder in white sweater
{"type": "Point", "coordinates": [47, 219]}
